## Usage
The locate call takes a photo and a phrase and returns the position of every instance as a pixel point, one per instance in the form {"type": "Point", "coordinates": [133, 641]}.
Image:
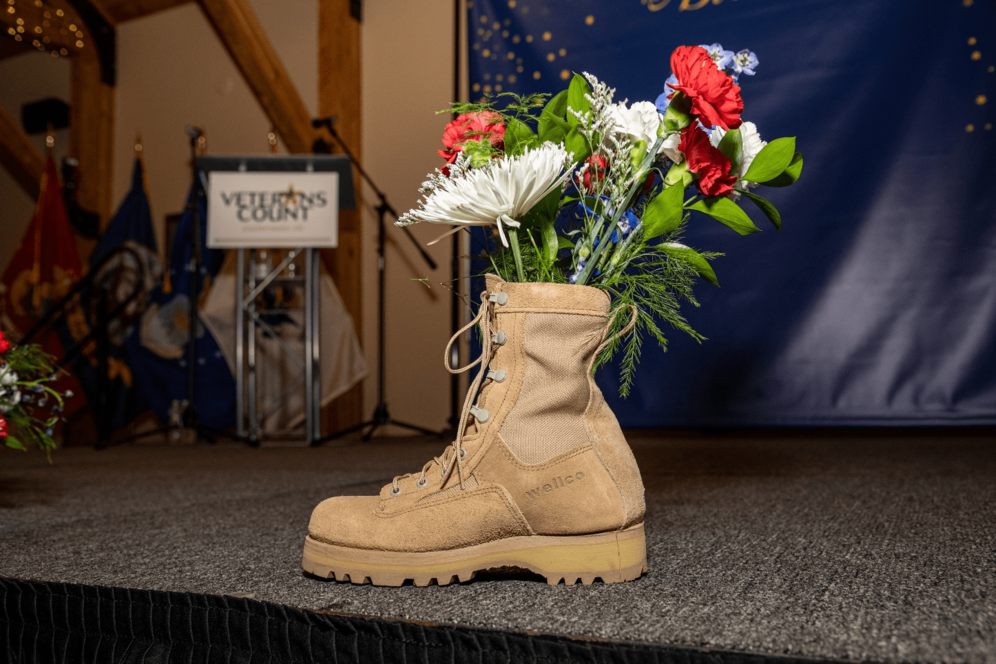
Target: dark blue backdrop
{"type": "Point", "coordinates": [876, 305]}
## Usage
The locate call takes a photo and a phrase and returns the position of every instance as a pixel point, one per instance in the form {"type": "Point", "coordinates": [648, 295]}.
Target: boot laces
{"type": "Point", "coordinates": [454, 455]}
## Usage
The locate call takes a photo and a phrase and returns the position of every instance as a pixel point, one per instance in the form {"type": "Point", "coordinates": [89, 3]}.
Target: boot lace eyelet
{"type": "Point", "coordinates": [463, 454]}
{"type": "Point", "coordinates": [396, 492]}
{"type": "Point", "coordinates": [421, 483]}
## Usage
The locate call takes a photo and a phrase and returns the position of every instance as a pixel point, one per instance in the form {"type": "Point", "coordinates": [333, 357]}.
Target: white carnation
{"type": "Point", "coordinates": [670, 148]}
{"type": "Point", "coordinates": [639, 122]}
{"type": "Point", "coordinates": [9, 396]}
{"type": "Point", "coordinates": [752, 145]}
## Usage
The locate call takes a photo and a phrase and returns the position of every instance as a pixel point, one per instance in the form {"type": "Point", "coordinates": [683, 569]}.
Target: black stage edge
{"type": "Point", "coordinates": [61, 622]}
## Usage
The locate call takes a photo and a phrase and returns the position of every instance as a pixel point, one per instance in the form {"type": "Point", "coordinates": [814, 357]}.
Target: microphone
{"type": "Point", "coordinates": [193, 132]}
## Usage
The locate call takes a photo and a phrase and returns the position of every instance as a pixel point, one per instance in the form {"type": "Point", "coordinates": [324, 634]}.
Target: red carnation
{"type": "Point", "coordinates": [3, 428]}
{"type": "Point", "coordinates": [4, 344]}
{"type": "Point", "coordinates": [715, 97]}
{"type": "Point", "coordinates": [471, 127]}
{"type": "Point", "coordinates": [711, 165]}
{"type": "Point", "coordinates": [594, 174]}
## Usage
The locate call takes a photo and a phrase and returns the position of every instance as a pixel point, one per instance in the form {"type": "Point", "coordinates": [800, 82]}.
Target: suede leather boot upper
{"type": "Point", "coordinates": [539, 453]}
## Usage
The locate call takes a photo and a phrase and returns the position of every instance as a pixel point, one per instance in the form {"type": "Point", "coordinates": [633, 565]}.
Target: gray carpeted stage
{"type": "Point", "coordinates": [854, 545]}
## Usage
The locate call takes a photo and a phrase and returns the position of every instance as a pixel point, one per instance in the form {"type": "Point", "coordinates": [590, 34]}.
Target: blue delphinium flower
{"type": "Point", "coordinates": [628, 222]}
{"type": "Point", "coordinates": [574, 277]}
{"type": "Point", "coordinates": [719, 55]}
{"type": "Point", "coordinates": [662, 101]}
{"type": "Point", "coordinates": [744, 62]}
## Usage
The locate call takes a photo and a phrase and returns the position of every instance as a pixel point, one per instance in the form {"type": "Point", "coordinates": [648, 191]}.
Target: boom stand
{"type": "Point", "coordinates": [381, 416]}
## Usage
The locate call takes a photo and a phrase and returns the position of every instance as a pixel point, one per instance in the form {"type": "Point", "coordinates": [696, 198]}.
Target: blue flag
{"type": "Point", "coordinates": [124, 268]}
{"type": "Point", "coordinates": [875, 303]}
{"type": "Point", "coordinates": [133, 221]}
{"type": "Point", "coordinates": [159, 351]}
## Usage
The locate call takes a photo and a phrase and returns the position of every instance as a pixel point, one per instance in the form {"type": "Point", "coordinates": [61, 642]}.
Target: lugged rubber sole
{"type": "Point", "coordinates": [613, 557]}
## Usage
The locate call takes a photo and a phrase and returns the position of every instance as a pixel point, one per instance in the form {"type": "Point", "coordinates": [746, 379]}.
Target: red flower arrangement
{"type": "Point", "coordinates": [485, 125]}
{"type": "Point", "coordinates": [29, 407]}
{"type": "Point", "coordinates": [711, 165]}
{"type": "Point", "coordinates": [715, 97]}
{"type": "Point", "coordinates": [594, 174]}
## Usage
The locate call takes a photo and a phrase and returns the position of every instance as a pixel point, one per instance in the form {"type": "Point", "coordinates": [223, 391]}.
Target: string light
{"type": "Point", "coordinates": [51, 29]}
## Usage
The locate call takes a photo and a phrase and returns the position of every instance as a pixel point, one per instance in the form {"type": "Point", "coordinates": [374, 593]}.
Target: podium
{"type": "Point", "coordinates": [266, 202]}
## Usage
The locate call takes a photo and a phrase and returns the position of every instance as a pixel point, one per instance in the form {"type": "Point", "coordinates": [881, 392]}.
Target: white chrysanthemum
{"type": "Point", "coordinates": [497, 194]}
{"type": "Point", "coordinates": [752, 145]}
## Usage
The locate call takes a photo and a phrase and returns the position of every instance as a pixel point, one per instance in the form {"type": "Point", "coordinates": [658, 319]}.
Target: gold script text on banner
{"type": "Point", "coordinates": [686, 5]}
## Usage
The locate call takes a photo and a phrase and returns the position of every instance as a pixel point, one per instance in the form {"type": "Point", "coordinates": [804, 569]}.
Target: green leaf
{"type": "Point", "coordinates": [576, 99]}
{"type": "Point", "coordinates": [551, 245]}
{"type": "Point", "coordinates": [14, 443]}
{"type": "Point", "coordinates": [519, 137]}
{"type": "Point", "coordinates": [771, 161]}
{"type": "Point", "coordinates": [693, 258]}
{"type": "Point", "coordinates": [727, 213]}
{"type": "Point", "coordinates": [557, 104]}
{"type": "Point", "coordinates": [552, 126]}
{"type": "Point", "coordinates": [732, 146]}
{"type": "Point", "coordinates": [664, 212]}
{"type": "Point", "coordinates": [789, 175]}
{"type": "Point", "coordinates": [564, 243]}
{"type": "Point", "coordinates": [576, 143]}
{"type": "Point", "coordinates": [769, 210]}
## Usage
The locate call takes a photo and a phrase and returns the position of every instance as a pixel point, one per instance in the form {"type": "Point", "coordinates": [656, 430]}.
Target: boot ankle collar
{"type": "Point", "coordinates": [546, 297]}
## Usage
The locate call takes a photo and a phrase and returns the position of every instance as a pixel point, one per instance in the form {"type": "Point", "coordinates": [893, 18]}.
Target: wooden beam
{"type": "Point", "coordinates": [243, 36]}
{"type": "Point", "coordinates": [19, 156]}
{"type": "Point", "coordinates": [339, 95]}
{"type": "Point", "coordinates": [91, 133]}
{"type": "Point", "coordinates": [125, 10]}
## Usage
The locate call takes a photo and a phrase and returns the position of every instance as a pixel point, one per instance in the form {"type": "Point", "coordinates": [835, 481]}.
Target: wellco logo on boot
{"type": "Point", "coordinates": [557, 483]}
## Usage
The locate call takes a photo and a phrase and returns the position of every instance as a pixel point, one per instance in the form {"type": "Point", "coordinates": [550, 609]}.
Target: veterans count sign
{"type": "Point", "coordinates": [277, 209]}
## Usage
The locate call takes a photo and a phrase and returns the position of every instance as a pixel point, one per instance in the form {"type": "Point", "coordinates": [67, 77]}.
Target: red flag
{"type": "Point", "coordinates": [44, 268]}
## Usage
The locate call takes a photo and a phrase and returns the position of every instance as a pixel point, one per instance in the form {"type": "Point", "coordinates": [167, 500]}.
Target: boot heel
{"type": "Point", "coordinates": [612, 557]}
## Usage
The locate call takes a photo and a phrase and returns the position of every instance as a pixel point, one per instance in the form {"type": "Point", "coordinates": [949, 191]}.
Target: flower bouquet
{"type": "Point", "coordinates": [579, 189]}
{"type": "Point", "coordinates": [25, 396]}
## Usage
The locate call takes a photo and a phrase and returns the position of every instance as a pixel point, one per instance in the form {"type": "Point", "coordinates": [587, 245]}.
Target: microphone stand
{"type": "Point", "coordinates": [190, 418]}
{"type": "Point", "coordinates": [381, 416]}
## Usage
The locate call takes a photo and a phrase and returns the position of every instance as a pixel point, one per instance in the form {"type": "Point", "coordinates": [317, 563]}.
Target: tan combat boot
{"type": "Point", "coordinates": [539, 477]}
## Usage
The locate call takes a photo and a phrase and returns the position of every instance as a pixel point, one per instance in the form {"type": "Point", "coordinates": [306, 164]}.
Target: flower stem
{"type": "Point", "coordinates": [607, 229]}
{"type": "Point", "coordinates": [513, 236]}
